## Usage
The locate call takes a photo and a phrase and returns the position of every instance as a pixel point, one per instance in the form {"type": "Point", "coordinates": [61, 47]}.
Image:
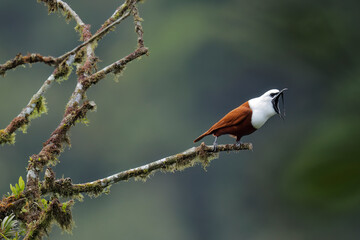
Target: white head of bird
{"type": "Point", "coordinates": [265, 106]}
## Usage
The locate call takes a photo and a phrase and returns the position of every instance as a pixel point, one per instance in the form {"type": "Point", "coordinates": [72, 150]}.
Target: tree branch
{"type": "Point", "coordinates": [138, 28]}
{"type": "Point", "coordinates": [53, 211]}
{"type": "Point", "coordinates": [70, 12]}
{"type": "Point", "coordinates": [115, 67]}
{"type": "Point", "coordinates": [55, 5]}
{"type": "Point", "coordinates": [119, 12]}
{"type": "Point", "coordinates": [29, 58]}
{"type": "Point", "coordinates": [202, 154]}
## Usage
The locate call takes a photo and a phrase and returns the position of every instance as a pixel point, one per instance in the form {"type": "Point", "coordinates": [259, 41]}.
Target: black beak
{"type": "Point", "coordinates": [275, 102]}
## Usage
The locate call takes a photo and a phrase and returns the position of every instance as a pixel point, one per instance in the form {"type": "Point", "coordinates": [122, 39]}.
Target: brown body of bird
{"type": "Point", "coordinates": [246, 118]}
{"type": "Point", "coordinates": [237, 123]}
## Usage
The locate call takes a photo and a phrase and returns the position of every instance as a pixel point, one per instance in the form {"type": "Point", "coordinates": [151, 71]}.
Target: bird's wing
{"type": "Point", "coordinates": [234, 117]}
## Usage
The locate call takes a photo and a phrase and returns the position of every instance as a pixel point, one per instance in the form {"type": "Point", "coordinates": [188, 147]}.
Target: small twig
{"type": "Point", "coordinates": [115, 67]}
{"type": "Point", "coordinates": [81, 27]}
{"type": "Point", "coordinates": [202, 154]}
{"type": "Point", "coordinates": [70, 11]}
{"type": "Point", "coordinates": [138, 28]}
{"type": "Point", "coordinates": [119, 12]}
{"type": "Point", "coordinates": [29, 58]}
{"type": "Point", "coordinates": [54, 5]}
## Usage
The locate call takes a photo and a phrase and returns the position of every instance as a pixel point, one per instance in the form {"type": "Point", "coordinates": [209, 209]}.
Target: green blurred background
{"type": "Point", "coordinates": [302, 179]}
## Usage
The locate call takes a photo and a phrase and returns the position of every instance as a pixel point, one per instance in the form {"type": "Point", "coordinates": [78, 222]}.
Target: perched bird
{"type": "Point", "coordinates": [248, 117]}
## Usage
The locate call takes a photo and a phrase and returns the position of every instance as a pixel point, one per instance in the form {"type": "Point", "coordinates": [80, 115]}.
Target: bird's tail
{"type": "Point", "coordinates": [202, 136]}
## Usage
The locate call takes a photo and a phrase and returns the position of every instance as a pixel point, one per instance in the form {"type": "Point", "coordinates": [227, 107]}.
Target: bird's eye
{"type": "Point", "coordinates": [272, 94]}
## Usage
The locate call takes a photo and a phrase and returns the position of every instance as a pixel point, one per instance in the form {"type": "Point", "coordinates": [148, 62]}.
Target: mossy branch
{"type": "Point", "coordinates": [196, 155]}
{"type": "Point", "coordinates": [55, 144]}
{"type": "Point", "coordinates": [119, 12]}
{"type": "Point", "coordinates": [55, 211]}
{"type": "Point", "coordinates": [11, 204]}
{"type": "Point", "coordinates": [29, 58]}
{"type": "Point", "coordinates": [66, 10]}
{"type": "Point", "coordinates": [138, 27]}
{"type": "Point", "coordinates": [116, 67]}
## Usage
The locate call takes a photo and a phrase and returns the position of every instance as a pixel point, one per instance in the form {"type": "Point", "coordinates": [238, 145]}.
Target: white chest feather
{"type": "Point", "coordinates": [261, 111]}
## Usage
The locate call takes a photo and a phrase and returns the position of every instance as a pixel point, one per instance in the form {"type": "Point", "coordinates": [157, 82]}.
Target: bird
{"type": "Point", "coordinates": [248, 117]}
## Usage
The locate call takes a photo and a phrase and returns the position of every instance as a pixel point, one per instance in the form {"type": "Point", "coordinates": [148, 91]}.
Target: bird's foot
{"type": "Point", "coordinates": [215, 143]}
{"type": "Point", "coordinates": [215, 147]}
{"type": "Point", "coordinates": [238, 143]}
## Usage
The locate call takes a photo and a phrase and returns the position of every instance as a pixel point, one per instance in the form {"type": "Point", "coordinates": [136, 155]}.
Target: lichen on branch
{"type": "Point", "coordinates": [29, 58]}
{"type": "Point", "coordinates": [54, 211]}
{"type": "Point", "coordinates": [196, 155]}
{"type": "Point", "coordinates": [55, 144]}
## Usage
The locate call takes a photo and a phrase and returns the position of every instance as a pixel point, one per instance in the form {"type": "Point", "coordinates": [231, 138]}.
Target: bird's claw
{"type": "Point", "coordinates": [215, 145]}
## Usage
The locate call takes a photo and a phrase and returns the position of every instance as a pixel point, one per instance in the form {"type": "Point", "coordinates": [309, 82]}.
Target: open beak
{"type": "Point", "coordinates": [275, 102]}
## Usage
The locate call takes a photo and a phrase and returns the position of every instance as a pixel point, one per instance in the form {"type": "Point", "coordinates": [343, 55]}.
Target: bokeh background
{"type": "Point", "coordinates": [302, 179]}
